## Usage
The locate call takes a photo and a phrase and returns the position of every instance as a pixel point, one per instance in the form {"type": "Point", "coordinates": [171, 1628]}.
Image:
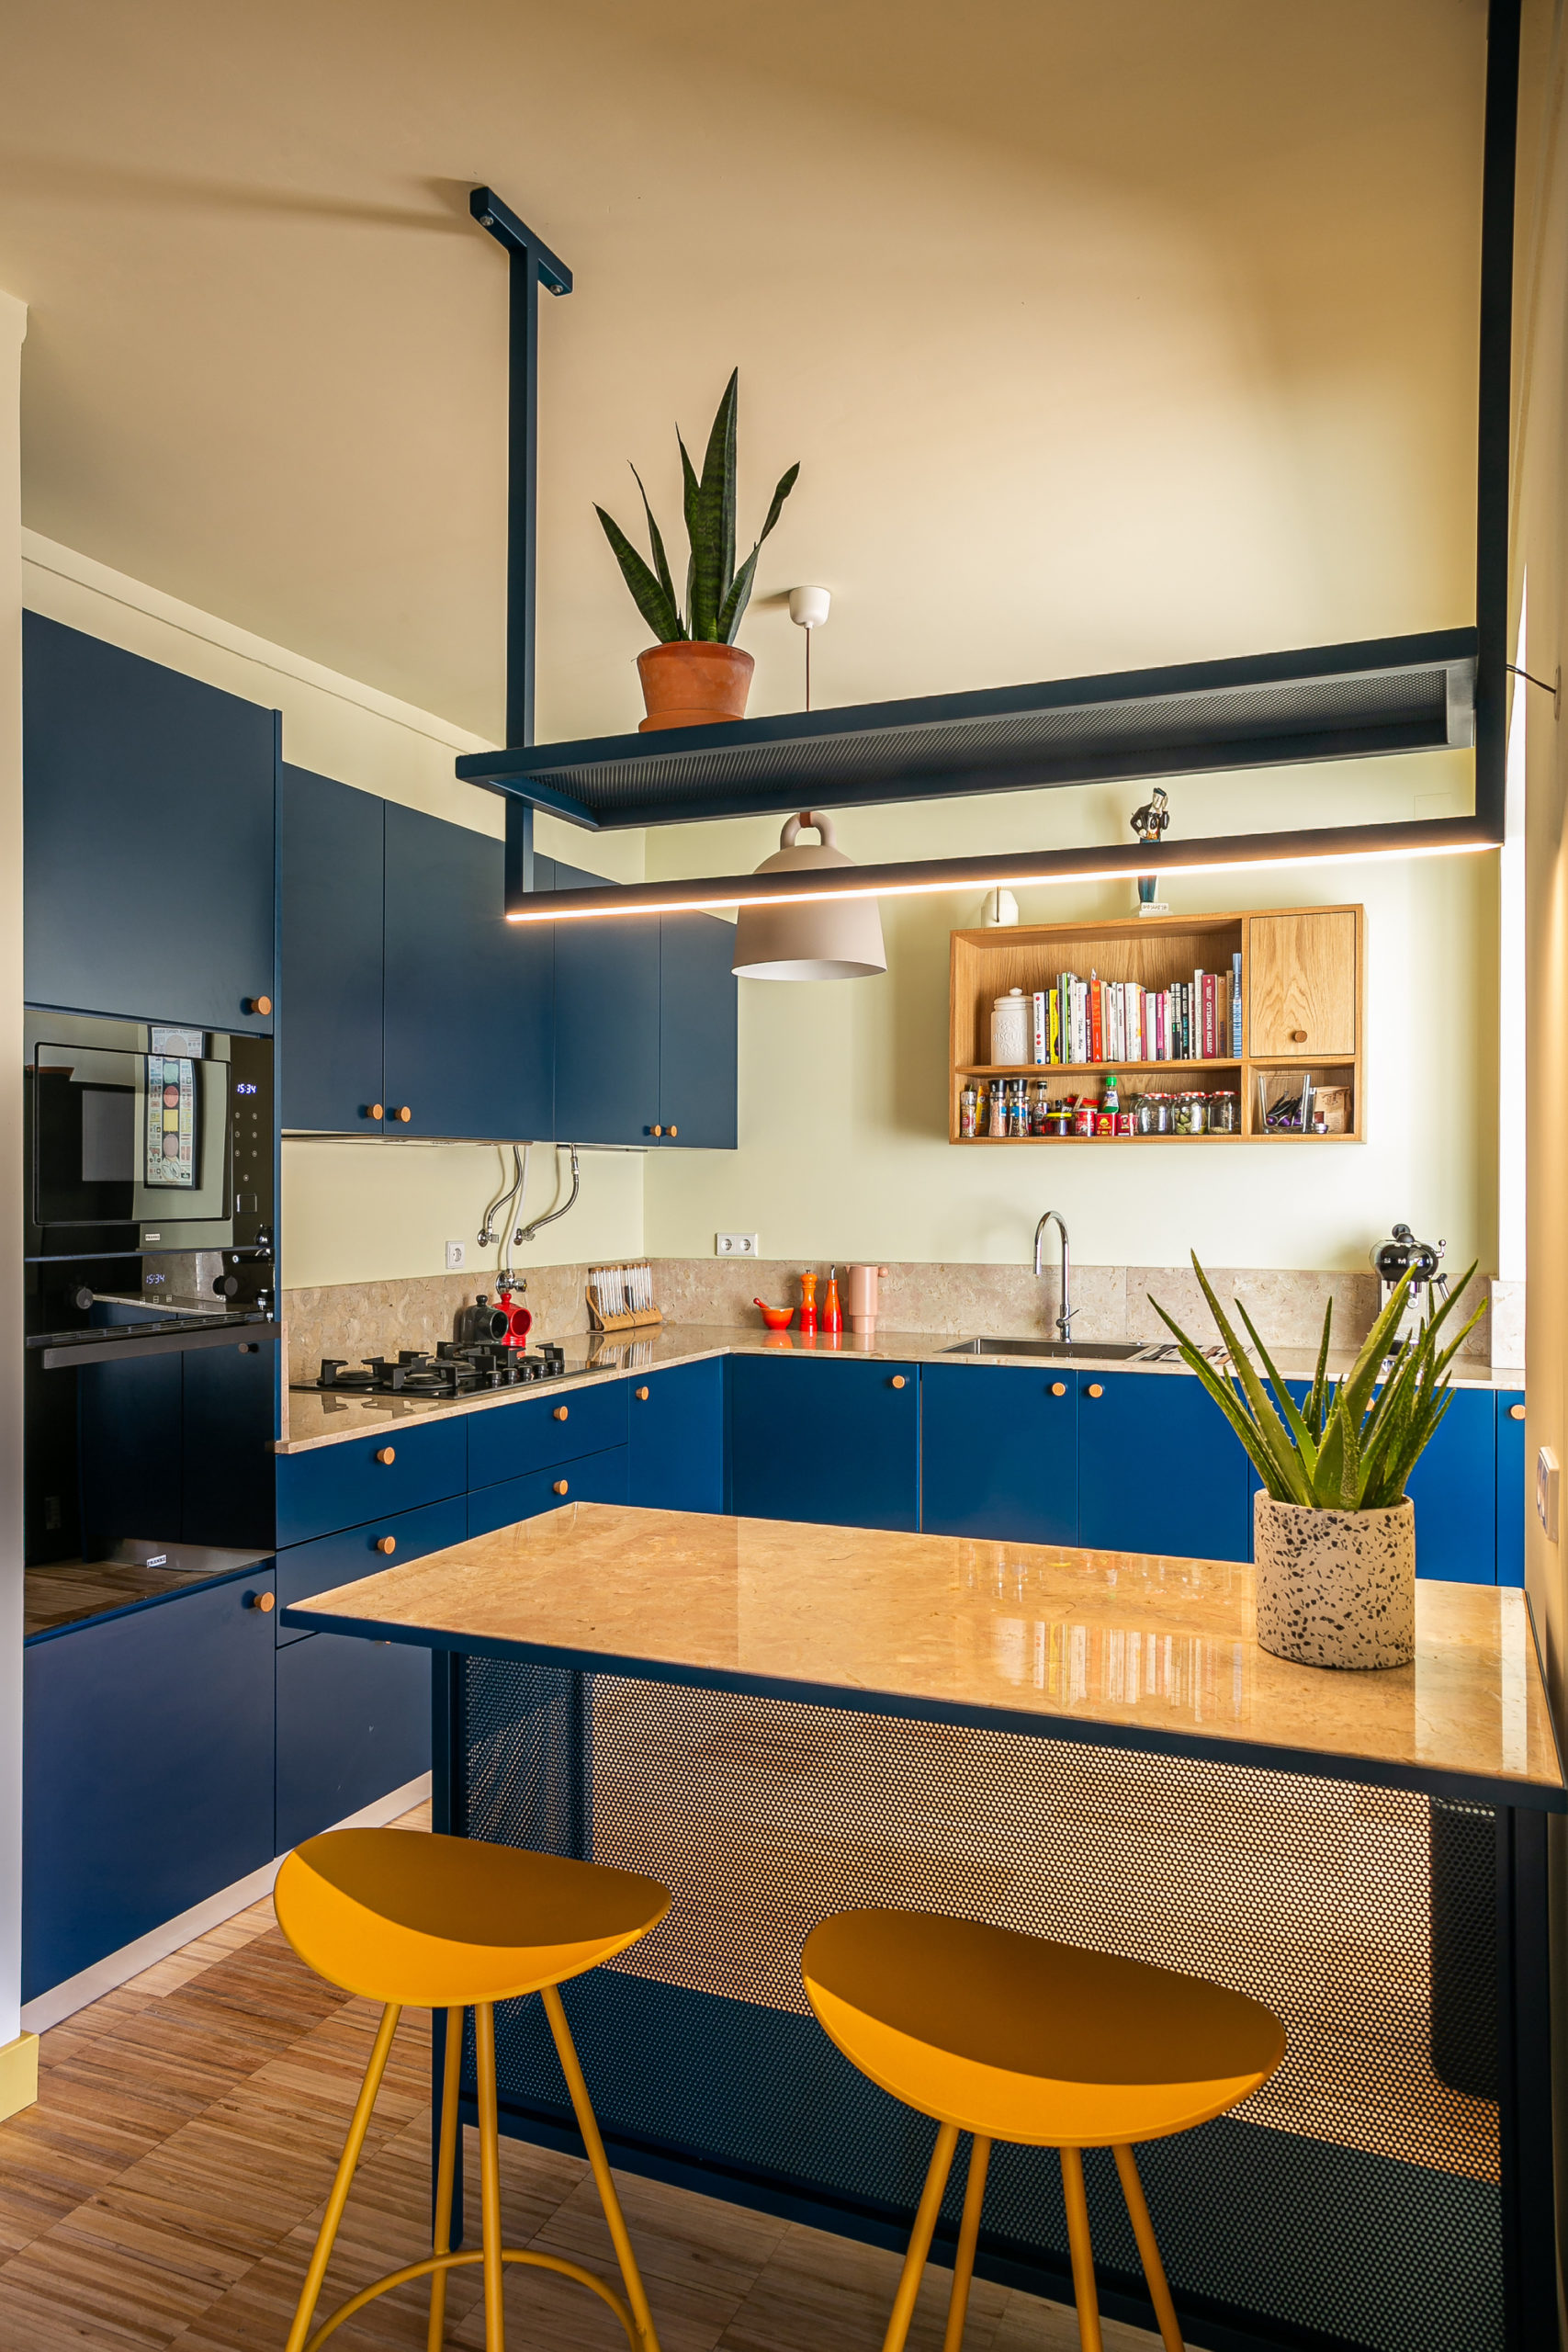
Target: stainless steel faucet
{"type": "Point", "coordinates": [1064, 1316]}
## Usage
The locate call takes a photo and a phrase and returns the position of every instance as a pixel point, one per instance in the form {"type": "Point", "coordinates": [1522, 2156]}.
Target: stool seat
{"type": "Point", "coordinates": [1013, 2038]}
{"type": "Point", "coordinates": [435, 1922]}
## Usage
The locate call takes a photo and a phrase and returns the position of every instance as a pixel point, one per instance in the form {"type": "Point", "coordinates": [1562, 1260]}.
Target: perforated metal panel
{"type": "Point", "coordinates": [1355, 2197]}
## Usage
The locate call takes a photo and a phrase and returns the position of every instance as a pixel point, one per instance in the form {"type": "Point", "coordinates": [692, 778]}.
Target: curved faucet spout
{"type": "Point", "coordinates": [1064, 1314]}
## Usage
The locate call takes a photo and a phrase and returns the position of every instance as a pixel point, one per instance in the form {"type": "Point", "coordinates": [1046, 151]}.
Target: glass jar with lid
{"type": "Point", "coordinates": [1225, 1113]}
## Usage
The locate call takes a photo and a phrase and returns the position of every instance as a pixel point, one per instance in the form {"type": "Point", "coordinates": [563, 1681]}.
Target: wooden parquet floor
{"type": "Point", "coordinates": [163, 2193]}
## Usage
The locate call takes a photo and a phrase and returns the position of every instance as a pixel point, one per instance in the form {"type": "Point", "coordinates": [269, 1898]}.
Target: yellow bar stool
{"type": "Point", "coordinates": [449, 1923]}
{"type": "Point", "coordinates": [1011, 2038]}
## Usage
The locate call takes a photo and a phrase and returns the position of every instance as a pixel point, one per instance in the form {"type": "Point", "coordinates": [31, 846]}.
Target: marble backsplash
{"type": "Point", "coordinates": [356, 1319]}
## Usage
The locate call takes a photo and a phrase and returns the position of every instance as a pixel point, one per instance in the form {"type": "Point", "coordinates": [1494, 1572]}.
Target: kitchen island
{"type": "Point", "coordinates": [779, 1721]}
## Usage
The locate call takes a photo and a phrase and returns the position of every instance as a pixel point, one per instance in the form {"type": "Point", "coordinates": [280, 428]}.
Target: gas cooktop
{"type": "Point", "coordinates": [452, 1371]}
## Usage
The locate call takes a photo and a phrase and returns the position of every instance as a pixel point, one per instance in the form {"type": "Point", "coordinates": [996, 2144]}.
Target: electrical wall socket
{"type": "Point", "coordinates": [457, 1257]}
{"type": "Point", "coordinates": [735, 1245]}
{"type": "Point", "coordinates": [1547, 1485]}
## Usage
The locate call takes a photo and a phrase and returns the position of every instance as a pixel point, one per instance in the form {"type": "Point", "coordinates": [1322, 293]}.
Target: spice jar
{"type": "Point", "coordinates": [1058, 1119]}
{"type": "Point", "coordinates": [1225, 1113]}
{"type": "Point", "coordinates": [966, 1108]}
{"type": "Point", "coordinates": [1083, 1117]}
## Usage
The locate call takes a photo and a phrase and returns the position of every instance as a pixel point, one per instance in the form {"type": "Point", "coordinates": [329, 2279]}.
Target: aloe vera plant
{"type": "Point", "coordinates": [717, 594]}
{"type": "Point", "coordinates": [1352, 1445]}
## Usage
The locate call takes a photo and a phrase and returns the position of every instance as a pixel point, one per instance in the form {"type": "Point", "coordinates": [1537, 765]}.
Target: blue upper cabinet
{"type": "Point", "coordinates": [606, 1024]}
{"type": "Point", "coordinates": [1000, 1452]}
{"type": "Point", "coordinates": [466, 996]}
{"type": "Point", "coordinates": [698, 997]}
{"type": "Point", "coordinates": [1159, 1469]}
{"type": "Point", "coordinates": [149, 856]}
{"type": "Point", "coordinates": [834, 1439]}
{"type": "Point", "coordinates": [331, 848]}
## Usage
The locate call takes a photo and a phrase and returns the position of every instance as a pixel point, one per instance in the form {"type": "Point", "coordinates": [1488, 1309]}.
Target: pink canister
{"type": "Point", "coordinates": [862, 1297]}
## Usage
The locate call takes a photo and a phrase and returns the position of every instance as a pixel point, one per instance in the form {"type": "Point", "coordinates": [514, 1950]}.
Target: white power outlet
{"type": "Point", "coordinates": [735, 1245]}
{"type": "Point", "coordinates": [457, 1257]}
{"type": "Point", "coordinates": [1547, 1485]}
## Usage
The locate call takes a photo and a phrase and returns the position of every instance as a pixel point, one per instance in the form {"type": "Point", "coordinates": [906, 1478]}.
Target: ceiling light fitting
{"type": "Point", "coordinates": [821, 937]}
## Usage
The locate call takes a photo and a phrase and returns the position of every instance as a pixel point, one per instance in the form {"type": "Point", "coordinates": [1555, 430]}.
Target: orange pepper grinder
{"type": "Point", "coordinates": [808, 1306]}
{"type": "Point", "coordinates": [832, 1313]}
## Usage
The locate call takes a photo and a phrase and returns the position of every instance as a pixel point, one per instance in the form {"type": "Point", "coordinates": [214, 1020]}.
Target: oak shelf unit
{"type": "Point", "coordinates": [1301, 997]}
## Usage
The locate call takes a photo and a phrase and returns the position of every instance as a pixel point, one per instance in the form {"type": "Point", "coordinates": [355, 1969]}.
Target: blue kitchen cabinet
{"type": "Point", "coordinates": [331, 842]}
{"type": "Point", "coordinates": [1159, 1469]}
{"type": "Point", "coordinates": [466, 995]}
{"type": "Point", "coordinates": [1513, 1494]}
{"type": "Point", "coordinates": [1454, 1489]}
{"type": "Point", "coordinates": [824, 1437]}
{"type": "Point", "coordinates": [370, 1477]}
{"type": "Point", "coordinates": [147, 1770]}
{"type": "Point", "coordinates": [353, 1724]}
{"type": "Point", "coordinates": [676, 1460]}
{"type": "Point", "coordinates": [147, 846]}
{"type": "Point", "coordinates": [999, 1452]}
{"type": "Point", "coordinates": [305, 1569]}
{"type": "Point", "coordinates": [607, 1022]}
{"type": "Point", "coordinates": [507, 1439]}
{"type": "Point", "coordinates": [698, 1012]}
{"type": "Point", "coordinates": [595, 1478]}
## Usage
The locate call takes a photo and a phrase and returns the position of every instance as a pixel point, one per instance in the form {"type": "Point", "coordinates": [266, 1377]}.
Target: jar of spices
{"type": "Point", "coordinates": [1225, 1113]}
{"type": "Point", "coordinates": [998, 1123]}
{"type": "Point", "coordinates": [1058, 1120]}
{"type": "Point", "coordinates": [966, 1108]}
{"type": "Point", "coordinates": [1154, 1115]}
{"type": "Point", "coordinates": [1083, 1117]}
{"type": "Point", "coordinates": [1191, 1113]}
{"type": "Point", "coordinates": [1009, 1028]}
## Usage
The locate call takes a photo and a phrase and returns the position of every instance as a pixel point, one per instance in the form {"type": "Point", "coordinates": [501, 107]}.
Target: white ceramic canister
{"type": "Point", "coordinates": [1009, 1029]}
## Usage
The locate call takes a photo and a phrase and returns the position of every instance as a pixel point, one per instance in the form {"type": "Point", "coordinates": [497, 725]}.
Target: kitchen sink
{"type": "Point", "coordinates": [1099, 1350]}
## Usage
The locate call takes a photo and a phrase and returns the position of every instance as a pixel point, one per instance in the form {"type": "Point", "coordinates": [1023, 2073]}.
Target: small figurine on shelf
{"type": "Point", "coordinates": [808, 1306]}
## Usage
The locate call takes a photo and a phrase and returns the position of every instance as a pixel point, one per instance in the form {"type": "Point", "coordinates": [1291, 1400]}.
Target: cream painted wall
{"type": "Point", "coordinates": [844, 1150]}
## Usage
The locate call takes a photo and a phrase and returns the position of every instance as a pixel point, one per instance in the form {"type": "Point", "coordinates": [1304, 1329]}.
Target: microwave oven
{"type": "Point", "coordinates": [145, 1138]}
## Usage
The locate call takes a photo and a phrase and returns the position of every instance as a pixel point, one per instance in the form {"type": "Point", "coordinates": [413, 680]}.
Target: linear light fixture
{"type": "Point", "coordinates": [1335, 845]}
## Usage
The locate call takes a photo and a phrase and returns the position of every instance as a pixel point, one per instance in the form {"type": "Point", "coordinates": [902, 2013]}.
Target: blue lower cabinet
{"type": "Point", "coordinates": [998, 1453]}
{"type": "Point", "coordinates": [676, 1437]}
{"type": "Point", "coordinates": [1454, 1489]}
{"type": "Point", "coordinates": [824, 1438]}
{"type": "Point", "coordinates": [147, 1775]}
{"type": "Point", "coordinates": [394, 1469]}
{"type": "Point", "coordinates": [1159, 1469]}
{"type": "Point", "coordinates": [599, 1478]}
{"type": "Point", "coordinates": [305, 1569]}
{"type": "Point", "coordinates": [504, 1441]}
{"type": "Point", "coordinates": [353, 1723]}
{"type": "Point", "coordinates": [1513, 1494]}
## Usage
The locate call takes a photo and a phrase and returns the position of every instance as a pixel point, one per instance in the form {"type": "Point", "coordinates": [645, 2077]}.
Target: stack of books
{"type": "Point", "coordinates": [1120, 1021]}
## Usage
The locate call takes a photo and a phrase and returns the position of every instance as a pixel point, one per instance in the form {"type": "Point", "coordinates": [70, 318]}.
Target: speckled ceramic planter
{"type": "Point", "coordinates": [1336, 1588]}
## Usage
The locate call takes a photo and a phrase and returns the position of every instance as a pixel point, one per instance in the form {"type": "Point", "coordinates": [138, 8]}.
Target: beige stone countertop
{"type": "Point", "coordinates": [1162, 1652]}
{"type": "Point", "coordinates": [315, 1416]}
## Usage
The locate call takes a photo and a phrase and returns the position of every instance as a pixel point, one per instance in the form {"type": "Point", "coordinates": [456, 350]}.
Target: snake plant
{"type": "Point", "coordinates": [717, 594]}
{"type": "Point", "coordinates": [1352, 1445]}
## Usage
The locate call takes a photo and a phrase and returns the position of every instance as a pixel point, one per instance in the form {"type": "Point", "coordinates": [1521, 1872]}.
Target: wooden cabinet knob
{"type": "Point", "coordinates": [560, 1412]}
{"type": "Point", "coordinates": [387, 1453]}
{"type": "Point", "coordinates": [403, 1114]}
{"type": "Point", "coordinates": [264, 1602]}
{"type": "Point", "coordinates": [1058, 1388]}
{"type": "Point", "coordinates": [1095, 1389]}
{"type": "Point", "coordinates": [1297, 1037]}
{"type": "Point", "coordinates": [671, 1132]}
{"type": "Point", "coordinates": [387, 1544]}
{"type": "Point", "coordinates": [374, 1110]}
{"type": "Point", "coordinates": [1515, 1412]}
{"type": "Point", "coordinates": [559, 1488]}
{"type": "Point", "coordinates": [898, 1380]}
{"type": "Point", "coordinates": [642, 1395]}
{"type": "Point", "coordinates": [653, 1131]}
{"type": "Point", "coordinates": [262, 1004]}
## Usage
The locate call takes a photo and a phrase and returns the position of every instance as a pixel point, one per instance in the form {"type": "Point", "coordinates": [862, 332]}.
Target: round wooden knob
{"type": "Point", "coordinates": [671, 1132]}
{"type": "Point", "coordinates": [1058, 1388]}
{"type": "Point", "coordinates": [264, 1602]}
{"type": "Point", "coordinates": [898, 1380]}
{"type": "Point", "coordinates": [560, 1412]}
{"type": "Point", "coordinates": [559, 1487]}
{"type": "Point", "coordinates": [1515, 1412]}
{"type": "Point", "coordinates": [258, 1004]}
{"type": "Point", "coordinates": [374, 1110]}
{"type": "Point", "coordinates": [1297, 1037]}
{"type": "Point", "coordinates": [388, 1543]}
{"type": "Point", "coordinates": [1095, 1389]}
{"type": "Point", "coordinates": [656, 1131]}
{"type": "Point", "coordinates": [642, 1395]}
{"type": "Point", "coordinates": [388, 1453]}
{"type": "Point", "coordinates": [403, 1113]}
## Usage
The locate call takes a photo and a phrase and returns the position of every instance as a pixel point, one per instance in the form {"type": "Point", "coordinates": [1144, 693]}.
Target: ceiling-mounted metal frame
{"type": "Point", "coordinates": [1129, 725]}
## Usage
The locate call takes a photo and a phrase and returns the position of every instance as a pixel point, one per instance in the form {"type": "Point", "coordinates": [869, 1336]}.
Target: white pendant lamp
{"type": "Point", "coordinates": [822, 939]}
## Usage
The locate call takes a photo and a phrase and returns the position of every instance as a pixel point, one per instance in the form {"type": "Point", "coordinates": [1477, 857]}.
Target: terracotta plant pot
{"type": "Point", "coordinates": [694, 684]}
{"type": "Point", "coordinates": [1336, 1588]}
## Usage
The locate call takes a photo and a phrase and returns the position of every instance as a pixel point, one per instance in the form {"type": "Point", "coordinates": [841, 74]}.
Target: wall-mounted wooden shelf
{"type": "Point", "coordinates": [1303, 1014]}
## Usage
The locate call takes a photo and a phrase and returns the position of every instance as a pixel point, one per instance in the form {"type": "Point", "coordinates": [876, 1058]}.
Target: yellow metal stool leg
{"type": "Point", "coordinates": [1084, 2293]}
{"type": "Point", "coordinates": [490, 2179]}
{"type": "Point", "coordinates": [445, 2174]}
{"type": "Point", "coordinates": [1148, 2251]}
{"type": "Point", "coordinates": [322, 2252]}
{"type": "Point", "coordinates": [566, 2050]}
{"type": "Point", "coordinates": [968, 2232]}
{"type": "Point", "coordinates": [920, 2238]}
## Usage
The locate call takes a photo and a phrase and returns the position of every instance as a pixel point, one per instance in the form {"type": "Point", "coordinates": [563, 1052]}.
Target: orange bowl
{"type": "Point", "coordinates": [777, 1318]}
